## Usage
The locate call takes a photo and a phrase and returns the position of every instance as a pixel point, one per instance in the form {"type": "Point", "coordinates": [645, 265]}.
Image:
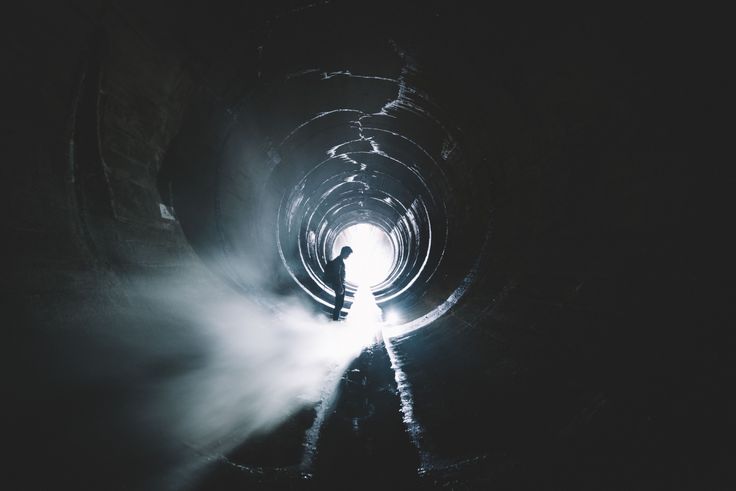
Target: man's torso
{"type": "Point", "coordinates": [336, 271]}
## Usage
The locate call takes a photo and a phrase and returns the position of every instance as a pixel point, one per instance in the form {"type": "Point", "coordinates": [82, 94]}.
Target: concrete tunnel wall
{"type": "Point", "coordinates": [579, 358]}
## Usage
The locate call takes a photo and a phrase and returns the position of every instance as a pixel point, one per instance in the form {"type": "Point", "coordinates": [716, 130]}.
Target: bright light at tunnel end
{"type": "Point", "coordinates": [373, 255]}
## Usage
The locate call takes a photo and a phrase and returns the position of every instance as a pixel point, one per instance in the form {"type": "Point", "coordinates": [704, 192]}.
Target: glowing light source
{"type": "Point", "coordinates": [392, 317]}
{"type": "Point", "coordinates": [373, 254]}
{"type": "Point", "coordinates": [364, 317]}
{"type": "Point", "coordinates": [364, 310]}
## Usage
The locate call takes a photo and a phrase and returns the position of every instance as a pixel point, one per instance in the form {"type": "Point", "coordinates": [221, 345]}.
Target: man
{"type": "Point", "coordinates": [335, 277]}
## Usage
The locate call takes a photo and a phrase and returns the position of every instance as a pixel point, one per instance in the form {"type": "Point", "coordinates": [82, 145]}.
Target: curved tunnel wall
{"type": "Point", "coordinates": [566, 360]}
{"type": "Point", "coordinates": [313, 152]}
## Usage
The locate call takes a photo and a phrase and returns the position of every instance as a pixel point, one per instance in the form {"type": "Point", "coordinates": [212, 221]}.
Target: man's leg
{"type": "Point", "coordinates": [339, 302]}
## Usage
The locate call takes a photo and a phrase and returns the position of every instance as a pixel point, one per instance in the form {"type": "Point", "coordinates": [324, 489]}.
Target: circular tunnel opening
{"type": "Point", "coordinates": [315, 159]}
{"type": "Point", "coordinates": [373, 257]}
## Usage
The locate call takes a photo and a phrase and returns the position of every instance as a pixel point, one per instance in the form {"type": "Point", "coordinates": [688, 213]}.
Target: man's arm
{"type": "Point", "coordinates": [342, 278]}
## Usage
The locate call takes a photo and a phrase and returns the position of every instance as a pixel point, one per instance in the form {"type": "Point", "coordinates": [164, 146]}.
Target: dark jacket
{"type": "Point", "coordinates": [335, 273]}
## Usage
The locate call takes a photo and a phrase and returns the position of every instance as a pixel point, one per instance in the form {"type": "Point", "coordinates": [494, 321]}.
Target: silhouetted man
{"type": "Point", "coordinates": [335, 276]}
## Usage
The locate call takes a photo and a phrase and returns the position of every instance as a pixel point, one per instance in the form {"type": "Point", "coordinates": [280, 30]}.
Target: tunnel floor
{"type": "Point", "coordinates": [547, 197]}
{"type": "Point", "coordinates": [362, 442]}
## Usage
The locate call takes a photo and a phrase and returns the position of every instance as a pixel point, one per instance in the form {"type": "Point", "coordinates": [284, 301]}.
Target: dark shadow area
{"type": "Point", "coordinates": [553, 186]}
{"type": "Point", "coordinates": [364, 443]}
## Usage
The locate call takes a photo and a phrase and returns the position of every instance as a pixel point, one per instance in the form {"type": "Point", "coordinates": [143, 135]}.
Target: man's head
{"type": "Point", "coordinates": [345, 252]}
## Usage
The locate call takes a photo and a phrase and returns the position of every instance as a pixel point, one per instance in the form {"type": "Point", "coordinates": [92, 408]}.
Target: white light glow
{"type": "Point", "coordinates": [364, 310]}
{"type": "Point", "coordinates": [364, 319]}
{"type": "Point", "coordinates": [373, 254]}
{"type": "Point", "coordinates": [393, 317]}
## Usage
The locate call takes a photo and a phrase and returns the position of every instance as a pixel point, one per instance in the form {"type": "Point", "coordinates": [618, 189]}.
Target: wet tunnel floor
{"type": "Point", "coordinates": [363, 442]}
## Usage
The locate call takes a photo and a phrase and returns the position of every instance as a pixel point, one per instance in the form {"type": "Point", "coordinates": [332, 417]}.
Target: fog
{"type": "Point", "coordinates": [207, 367]}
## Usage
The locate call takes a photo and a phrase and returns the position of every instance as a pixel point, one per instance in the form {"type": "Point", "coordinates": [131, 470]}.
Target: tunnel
{"type": "Point", "coordinates": [538, 296]}
{"type": "Point", "coordinates": [370, 155]}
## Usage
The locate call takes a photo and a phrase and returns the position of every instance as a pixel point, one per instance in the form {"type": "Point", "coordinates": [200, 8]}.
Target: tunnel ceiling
{"type": "Point", "coordinates": [336, 134]}
{"type": "Point", "coordinates": [543, 179]}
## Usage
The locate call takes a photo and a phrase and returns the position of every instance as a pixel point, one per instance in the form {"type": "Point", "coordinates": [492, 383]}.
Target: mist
{"type": "Point", "coordinates": [209, 368]}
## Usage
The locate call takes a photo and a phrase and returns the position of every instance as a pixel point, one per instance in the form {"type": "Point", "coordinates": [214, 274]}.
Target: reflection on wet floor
{"type": "Point", "coordinates": [364, 442]}
{"type": "Point", "coordinates": [355, 436]}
